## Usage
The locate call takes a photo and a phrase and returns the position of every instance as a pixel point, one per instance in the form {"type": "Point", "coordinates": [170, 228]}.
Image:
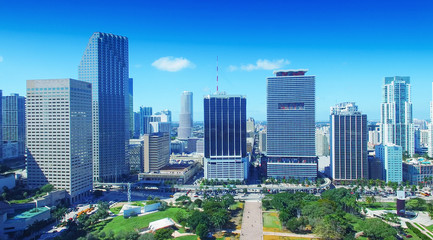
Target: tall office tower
{"type": "Point", "coordinates": [136, 125]}
{"type": "Point", "coordinates": [291, 125]}
{"type": "Point", "coordinates": [392, 162]}
{"type": "Point", "coordinates": [262, 141]}
{"type": "Point", "coordinates": [156, 151]}
{"type": "Point", "coordinates": [1, 129]}
{"type": "Point", "coordinates": [322, 141]}
{"type": "Point", "coordinates": [185, 117]}
{"type": "Point", "coordinates": [396, 114]}
{"type": "Point", "coordinates": [430, 129]}
{"type": "Point", "coordinates": [14, 125]}
{"type": "Point", "coordinates": [145, 114]}
{"type": "Point", "coordinates": [105, 65]}
{"type": "Point", "coordinates": [348, 135]}
{"type": "Point", "coordinates": [136, 155]}
{"type": "Point", "coordinates": [225, 150]}
{"type": "Point", "coordinates": [131, 106]}
{"type": "Point", "coordinates": [251, 128]}
{"type": "Point", "coordinates": [59, 135]}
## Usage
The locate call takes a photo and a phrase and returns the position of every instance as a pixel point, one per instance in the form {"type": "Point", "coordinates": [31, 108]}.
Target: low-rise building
{"type": "Point", "coordinates": [177, 173]}
{"type": "Point", "coordinates": [416, 170]}
{"type": "Point", "coordinates": [22, 221]}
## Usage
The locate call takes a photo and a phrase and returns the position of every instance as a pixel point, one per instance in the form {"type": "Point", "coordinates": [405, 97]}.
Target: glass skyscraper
{"type": "Point", "coordinates": [225, 147]}
{"type": "Point", "coordinates": [348, 135]}
{"type": "Point", "coordinates": [291, 125]}
{"type": "Point", "coordinates": [105, 65]}
{"type": "Point", "coordinates": [14, 125]}
{"type": "Point", "coordinates": [396, 114]}
{"type": "Point", "coordinates": [145, 119]}
{"type": "Point", "coordinates": [392, 162]}
{"type": "Point", "coordinates": [131, 107]}
{"type": "Point", "coordinates": [1, 129]}
{"type": "Point", "coordinates": [185, 117]}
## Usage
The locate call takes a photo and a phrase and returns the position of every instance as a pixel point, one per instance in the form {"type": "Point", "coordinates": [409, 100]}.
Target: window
{"type": "Point", "coordinates": [291, 106]}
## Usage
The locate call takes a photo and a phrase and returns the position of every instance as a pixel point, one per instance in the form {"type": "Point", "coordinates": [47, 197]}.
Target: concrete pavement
{"type": "Point", "coordinates": [252, 221]}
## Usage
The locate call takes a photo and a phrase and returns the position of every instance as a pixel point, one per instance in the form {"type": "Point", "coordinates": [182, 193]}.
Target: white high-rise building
{"type": "Point", "coordinates": [59, 135]}
{"type": "Point", "coordinates": [374, 137]}
{"type": "Point", "coordinates": [396, 114]}
{"type": "Point", "coordinates": [185, 117]}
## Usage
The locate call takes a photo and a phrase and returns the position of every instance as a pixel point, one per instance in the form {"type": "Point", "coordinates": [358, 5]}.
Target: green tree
{"type": "Point", "coordinates": [332, 227]}
{"type": "Point", "coordinates": [198, 202]}
{"type": "Point", "coordinates": [163, 234]}
{"type": "Point", "coordinates": [147, 236]}
{"type": "Point", "coordinates": [202, 231]}
{"type": "Point", "coordinates": [196, 218]}
{"type": "Point", "coordinates": [375, 228]}
{"type": "Point", "coordinates": [220, 218]}
{"type": "Point", "coordinates": [295, 225]}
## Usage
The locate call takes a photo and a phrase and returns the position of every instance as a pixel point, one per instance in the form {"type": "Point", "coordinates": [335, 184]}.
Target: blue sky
{"type": "Point", "coordinates": [348, 45]}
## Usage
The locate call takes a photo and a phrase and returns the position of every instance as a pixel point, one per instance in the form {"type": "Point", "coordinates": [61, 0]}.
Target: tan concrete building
{"type": "Point", "coordinates": [156, 151]}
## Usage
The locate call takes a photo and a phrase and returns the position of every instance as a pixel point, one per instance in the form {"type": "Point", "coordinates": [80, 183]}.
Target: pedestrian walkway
{"type": "Point", "coordinates": [252, 221]}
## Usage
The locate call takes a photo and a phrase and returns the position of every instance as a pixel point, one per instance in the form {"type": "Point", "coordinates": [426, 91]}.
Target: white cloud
{"type": "Point", "coordinates": [262, 64]}
{"type": "Point", "coordinates": [172, 64]}
{"type": "Point", "coordinates": [232, 68]}
{"type": "Point", "coordinates": [1, 58]}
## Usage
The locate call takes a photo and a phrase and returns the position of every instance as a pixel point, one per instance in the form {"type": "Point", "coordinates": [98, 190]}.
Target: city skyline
{"type": "Point", "coordinates": [351, 52]}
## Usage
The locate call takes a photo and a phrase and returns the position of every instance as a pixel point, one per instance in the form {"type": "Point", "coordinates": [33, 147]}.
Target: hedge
{"type": "Point", "coordinates": [417, 232]}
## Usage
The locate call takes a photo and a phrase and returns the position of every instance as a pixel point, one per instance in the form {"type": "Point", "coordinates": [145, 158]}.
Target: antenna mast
{"type": "Point", "coordinates": [217, 74]}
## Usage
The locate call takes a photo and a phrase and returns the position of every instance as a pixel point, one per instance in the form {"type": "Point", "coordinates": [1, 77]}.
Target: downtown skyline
{"type": "Point", "coordinates": [350, 52]}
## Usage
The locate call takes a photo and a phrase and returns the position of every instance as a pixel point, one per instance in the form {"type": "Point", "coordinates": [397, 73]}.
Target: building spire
{"type": "Point", "coordinates": [217, 75]}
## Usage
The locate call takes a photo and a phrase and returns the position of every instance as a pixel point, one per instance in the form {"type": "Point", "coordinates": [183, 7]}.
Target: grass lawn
{"type": "Point", "coordinates": [189, 237]}
{"type": "Point", "coordinates": [237, 205]}
{"type": "Point", "coordinates": [119, 223]}
{"type": "Point", "coordinates": [414, 236]}
{"type": "Point", "coordinates": [115, 210]}
{"type": "Point", "coordinates": [271, 222]}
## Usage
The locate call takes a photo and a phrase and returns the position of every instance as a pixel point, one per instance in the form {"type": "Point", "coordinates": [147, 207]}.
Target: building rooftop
{"type": "Point", "coordinates": [290, 72]}
{"type": "Point", "coordinates": [31, 213]}
{"type": "Point", "coordinates": [418, 161]}
{"type": "Point", "coordinates": [162, 223]}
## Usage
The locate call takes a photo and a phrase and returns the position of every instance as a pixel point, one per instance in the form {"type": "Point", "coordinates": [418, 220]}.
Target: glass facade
{"type": "Point", "coordinates": [225, 126]}
{"type": "Point", "coordinates": [291, 145]}
{"type": "Point", "coordinates": [105, 65]}
{"type": "Point", "coordinates": [348, 135]}
{"type": "Point", "coordinates": [145, 119]}
{"type": "Point", "coordinates": [225, 150]}
{"type": "Point", "coordinates": [396, 114]}
{"type": "Point", "coordinates": [14, 124]}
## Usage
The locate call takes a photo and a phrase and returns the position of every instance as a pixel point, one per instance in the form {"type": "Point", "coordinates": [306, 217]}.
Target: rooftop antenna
{"type": "Point", "coordinates": [217, 74]}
